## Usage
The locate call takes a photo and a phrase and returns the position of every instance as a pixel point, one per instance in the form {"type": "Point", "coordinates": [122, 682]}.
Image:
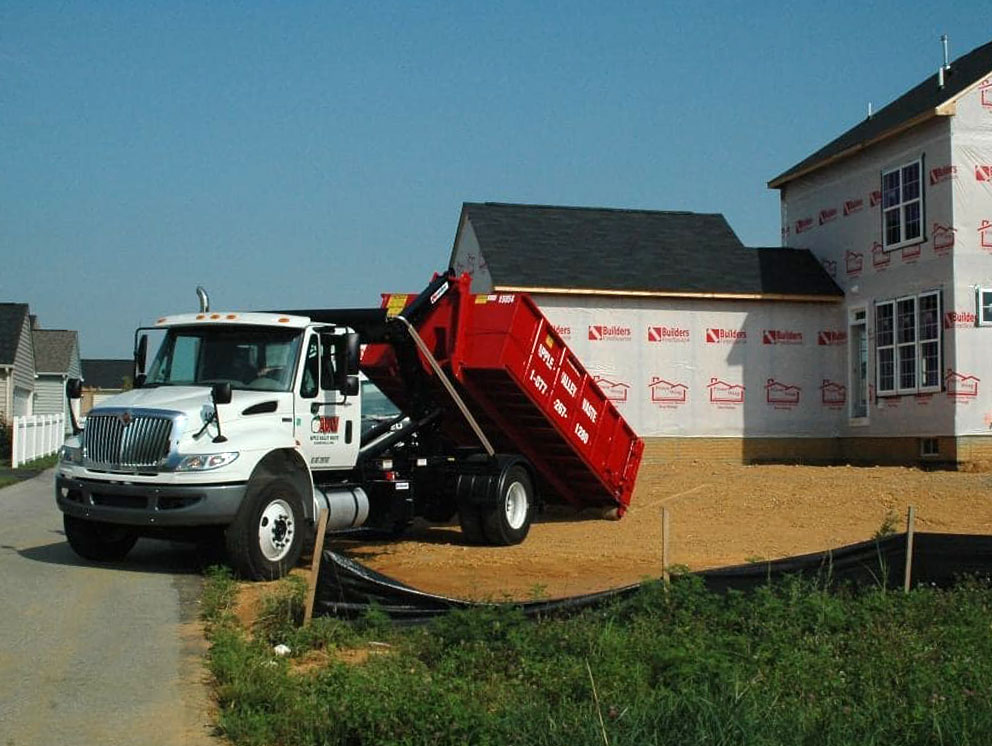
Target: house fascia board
{"type": "Point", "coordinates": [670, 294]}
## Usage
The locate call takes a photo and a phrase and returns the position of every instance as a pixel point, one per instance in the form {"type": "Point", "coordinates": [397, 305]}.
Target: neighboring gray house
{"type": "Point", "coordinates": [898, 210]}
{"type": "Point", "coordinates": [56, 360]}
{"type": "Point", "coordinates": [17, 366]}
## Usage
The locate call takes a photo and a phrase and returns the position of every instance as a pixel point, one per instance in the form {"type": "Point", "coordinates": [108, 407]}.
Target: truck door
{"type": "Point", "coordinates": [327, 422]}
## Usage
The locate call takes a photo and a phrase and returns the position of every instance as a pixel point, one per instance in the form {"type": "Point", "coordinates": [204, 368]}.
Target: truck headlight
{"type": "Point", "coordinates": [207, 461]}
{"type": "Point", "coordinates": [71, 454]}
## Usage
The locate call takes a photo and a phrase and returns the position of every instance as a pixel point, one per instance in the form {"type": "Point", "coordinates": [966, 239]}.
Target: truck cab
{"type": "Point", "coordinates": [230, 401]}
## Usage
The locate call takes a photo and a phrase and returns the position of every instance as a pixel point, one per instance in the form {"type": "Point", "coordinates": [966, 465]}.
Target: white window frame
{"type": "Point", "coordinates": [911, 349]}
{"type": "Point", "coordinates": [982, 319]}
{"type": "Point", "coordinates": [879, 347]}
{"type": "Point", "coordinates": [921, 341]}
{"type": "Point", "coordinates": [901, 206]}
{"type": "Point", "coordinates": [907, 350]}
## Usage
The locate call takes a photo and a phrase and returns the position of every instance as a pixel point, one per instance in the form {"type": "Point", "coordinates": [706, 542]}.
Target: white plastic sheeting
{"type": "Point", "coordinates": [970, 375]}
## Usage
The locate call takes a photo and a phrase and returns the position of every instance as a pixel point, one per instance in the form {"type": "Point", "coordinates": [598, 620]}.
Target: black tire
{"type": "Point", "coordinates": [100, 542]}
{"type": "Point", "coordinates": [508, 522]}
{"type": "Point", "coordinates": [267, 536]}
{"type": "Point", "coordinates": [470, 520]}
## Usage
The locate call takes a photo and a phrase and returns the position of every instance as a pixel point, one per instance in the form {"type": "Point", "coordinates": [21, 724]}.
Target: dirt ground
{"type": "Point", "coordinates": [720, 514]}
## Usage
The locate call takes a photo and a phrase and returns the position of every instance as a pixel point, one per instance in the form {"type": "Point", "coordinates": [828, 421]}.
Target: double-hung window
{"type": "Point", "coordinates": [902, 205]}
{"type": "Point", "coordinates": [907, 344]}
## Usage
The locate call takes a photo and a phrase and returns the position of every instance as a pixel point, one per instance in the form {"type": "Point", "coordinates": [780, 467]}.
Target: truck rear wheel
{"type": "Point", "coordinates": [267, 536]}
{"type": "Point", "coordinates": [470, 520]}
{"type": "Point", "coordinates": [100, 542]}
{"type": "Point", "coordinates": [508, 522]}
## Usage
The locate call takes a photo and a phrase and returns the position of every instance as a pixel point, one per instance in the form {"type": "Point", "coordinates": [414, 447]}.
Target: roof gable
{"type": "Point", "coordinates": [53, 350]}
{"type": "Point", "coordinates": [12, 323]}
{"type": "Point", "coordinates": [592, 249]}
{"type": "Point", "coordinates": [916, 105]}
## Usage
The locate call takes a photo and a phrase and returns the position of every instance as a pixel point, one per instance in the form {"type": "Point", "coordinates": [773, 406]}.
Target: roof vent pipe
{"type": "Point", "coordinates": [943, 41]}
{"type": "Point", "coordinates": [204, 299]}
{"type": "Point", "coordinates": [869, 109]}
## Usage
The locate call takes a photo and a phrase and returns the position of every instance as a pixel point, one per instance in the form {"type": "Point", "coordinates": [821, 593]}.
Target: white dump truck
{"type": "Point", "coordinates": [245, 426]}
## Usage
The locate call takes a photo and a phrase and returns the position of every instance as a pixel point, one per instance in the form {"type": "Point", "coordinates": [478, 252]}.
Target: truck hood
{"type": "Point", "coordinates": [190, 400]}
{"type": "Point", "coordinates": [175, 398]}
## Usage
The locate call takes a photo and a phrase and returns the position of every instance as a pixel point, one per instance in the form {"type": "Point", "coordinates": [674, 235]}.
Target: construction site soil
{"type": "Point", "coordinates": [720, 514]}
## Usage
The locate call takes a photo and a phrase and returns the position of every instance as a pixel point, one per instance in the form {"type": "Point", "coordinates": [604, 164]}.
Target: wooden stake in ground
{"type": "Point", "coordinates": [318, 550]}
{"type": "Point", "coordinates": [910, 526]}
{"type": "Point", "coordinates": [665, 524]}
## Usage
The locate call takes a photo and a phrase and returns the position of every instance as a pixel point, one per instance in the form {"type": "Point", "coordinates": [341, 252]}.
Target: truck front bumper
{"type": "Point", "coordinates": [138, 504]}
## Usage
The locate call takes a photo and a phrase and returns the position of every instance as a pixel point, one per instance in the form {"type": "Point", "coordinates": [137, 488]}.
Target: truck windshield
{"type": "Point", "coordinates": [247, 357]}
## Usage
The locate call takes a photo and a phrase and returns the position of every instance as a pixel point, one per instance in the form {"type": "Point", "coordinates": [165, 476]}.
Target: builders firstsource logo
{"type": "Point", "coordinates": [831, 337]}
{"type": "Point", "coordinates": [725, 336]}
{"type": "Point", "coordinates": [668, 334]}
{"type": "Point", "coordinates": [612, 333]}
{"type": "Point", "coordinates": [781, 337]}
{"type": "Point", "coordinates": [954, 319]}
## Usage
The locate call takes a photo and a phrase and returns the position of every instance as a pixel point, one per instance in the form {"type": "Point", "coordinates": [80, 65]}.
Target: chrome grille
{"type": "Point", "coordinates": [143, 442]}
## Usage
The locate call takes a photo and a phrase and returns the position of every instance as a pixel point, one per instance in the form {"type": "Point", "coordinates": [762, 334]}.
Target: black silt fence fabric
{"type": "Point", "coordinates": [347, 588]}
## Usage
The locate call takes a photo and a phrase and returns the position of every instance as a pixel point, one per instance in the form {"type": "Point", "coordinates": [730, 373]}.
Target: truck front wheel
{"type": "Point", "coordinates": [100, 542]}
{"type": "Point", "coordinates": [509, 520]}
{"type": "Point", "coordinates": [266, 538]}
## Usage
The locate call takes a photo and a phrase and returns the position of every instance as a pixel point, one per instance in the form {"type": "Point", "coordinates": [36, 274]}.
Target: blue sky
{"type": "Point", "coordinates": [316, 154]}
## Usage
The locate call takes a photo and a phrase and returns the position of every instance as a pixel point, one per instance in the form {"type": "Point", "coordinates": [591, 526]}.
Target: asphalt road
{"type": "Point", "coordinates": [95, 654]}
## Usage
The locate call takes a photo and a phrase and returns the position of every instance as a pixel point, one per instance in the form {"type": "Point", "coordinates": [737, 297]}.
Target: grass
{"type": "Point", "coordinates": [25, 471]}
{"type": "Point", "coordinates": [787, 664]}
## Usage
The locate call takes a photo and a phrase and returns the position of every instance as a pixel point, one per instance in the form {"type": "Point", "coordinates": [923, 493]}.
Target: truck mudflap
{"type": "Point", "coordinates": [523, 385]}
{"type": "Point", "coordinates": [149, 505]}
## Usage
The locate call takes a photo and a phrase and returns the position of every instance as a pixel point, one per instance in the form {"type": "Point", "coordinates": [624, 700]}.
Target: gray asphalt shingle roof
{"type": "Point", "coordinates": [927, 96]}
{"type": "Point", "coordinates": [591, 248]}
{"type": "Point", "coordinates": [53, 350]}
{"type": "Point", "coordinates": [106, 373]}
{"type": "Point", "coordinates": [12, 317]}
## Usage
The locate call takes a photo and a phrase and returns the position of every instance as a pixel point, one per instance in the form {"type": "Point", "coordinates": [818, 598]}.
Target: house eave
{"type": "Point", "coordinates": [794, 297]}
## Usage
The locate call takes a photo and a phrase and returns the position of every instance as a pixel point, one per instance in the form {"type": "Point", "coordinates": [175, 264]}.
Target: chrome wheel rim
{"type": "Point", "coordinates": [275, 530]}
{"type": "Point", "coordinates": [516, 505]}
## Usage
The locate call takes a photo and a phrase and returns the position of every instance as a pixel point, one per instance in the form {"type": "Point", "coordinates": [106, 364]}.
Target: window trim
{"type": "Point", "coordinates": [939, 339]}
{"type": "Point", "coordinates": [899, 345]}
{"type": "Point", "coordinates": [918, 341]}
{"type": "Point", "coordinates": [901, 206]}
{"type": "Point", "coordinates": [980, 318]}
{"type": "Point", "coordinates": [878, 349]}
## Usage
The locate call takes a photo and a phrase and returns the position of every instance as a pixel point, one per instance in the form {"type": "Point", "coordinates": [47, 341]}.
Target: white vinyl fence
{"type": "Point", "coordinates": [36, 436]}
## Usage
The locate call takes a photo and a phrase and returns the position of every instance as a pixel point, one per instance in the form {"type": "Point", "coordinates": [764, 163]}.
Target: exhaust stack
{"type": "Point", "coordinates": [204, 299]}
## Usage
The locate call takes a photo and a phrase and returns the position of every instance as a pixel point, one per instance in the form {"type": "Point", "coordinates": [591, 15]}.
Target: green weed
{"type": "Point", "coordinates": [790, 663]}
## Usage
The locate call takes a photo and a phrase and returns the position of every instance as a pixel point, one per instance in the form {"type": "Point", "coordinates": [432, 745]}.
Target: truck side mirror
{"type": "Point", "coordinates": [74, 388]}
{"type": "Point", "coordinates": [351, 385]}
{"type": "Point", "coordinates": [347, 351]}
{"type": "Point", "coordinates": [353, 345]}
{"type": "Point", "coordinates": [221, 393]}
